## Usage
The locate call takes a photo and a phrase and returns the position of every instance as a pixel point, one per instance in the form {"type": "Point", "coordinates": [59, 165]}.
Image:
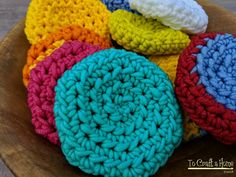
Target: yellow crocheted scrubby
{"type": "Point", "coordinates": [168, 63]}
{"type": "Point", "coordinates": [47, 16]}
{"type": "Point", "coordinates": [147, 36]}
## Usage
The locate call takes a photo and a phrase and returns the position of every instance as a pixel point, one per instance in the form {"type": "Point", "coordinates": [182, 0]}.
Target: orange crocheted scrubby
{"type": "Point", "coordinates": [45, 47]}
{"type": "Point", "coordinates": [47, 16]}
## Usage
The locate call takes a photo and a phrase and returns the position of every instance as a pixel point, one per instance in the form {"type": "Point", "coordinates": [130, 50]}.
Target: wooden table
{"type": "Point", "coordinates": [27, 154]}
{"type": "Point", "coordinates": [11, 11]}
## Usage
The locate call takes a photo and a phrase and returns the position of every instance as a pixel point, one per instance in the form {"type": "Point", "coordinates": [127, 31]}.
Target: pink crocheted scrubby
{"type": "Point", "coordinates": [43, 79]}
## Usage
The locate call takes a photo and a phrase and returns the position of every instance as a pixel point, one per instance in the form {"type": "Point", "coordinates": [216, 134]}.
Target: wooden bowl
{"type": "Point", "coordinates": [27, 154]}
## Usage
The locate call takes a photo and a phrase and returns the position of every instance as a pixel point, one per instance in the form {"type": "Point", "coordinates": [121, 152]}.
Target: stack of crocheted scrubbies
{"type": "Point", "coordinates": [206, 84]}
{"type": "Point", "coordinates": [114, 112]}
{"type": "Point", "coordinates": [39, 51]}
{"type": "Point", "coordinates": [186, 15]}
{"type": "Point", "coordinates": [117, 115]}
{"type": "Point", "coordinates": [157, 31]}
{"type": "Point", "coordinates": [146, 36]}
{"type": "Point", "coordinates": [47, 16]}
{"type": "Point", "coordinates": [169, 65]}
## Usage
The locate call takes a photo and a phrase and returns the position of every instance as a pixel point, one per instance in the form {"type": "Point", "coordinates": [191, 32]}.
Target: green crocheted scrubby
{"type": "Point", "coordinates": [116, 115]}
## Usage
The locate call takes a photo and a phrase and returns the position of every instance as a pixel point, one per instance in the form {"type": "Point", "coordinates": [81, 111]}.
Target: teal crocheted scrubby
{"type": "Point", "coordinates": [116, 115]}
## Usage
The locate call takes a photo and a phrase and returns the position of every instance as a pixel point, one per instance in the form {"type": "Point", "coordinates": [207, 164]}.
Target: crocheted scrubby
{"type": "Point", "coordinates": [113, 5]}
{"type": "Point", "coordinates": [39, 51]}
{"type": "Point", "coordinates": [186, 15]}
{"type": "Point", "coordinates": [46, 16]}
{"type": "Point", "coordinates": [169, 65]}
{"type": "Point", "coordinates": [116, 115]}
{"type": "Point", "coordinates": [147, 36]}
{"type": "Point", "coordinates": [43, 79]}
{"type": "Point", "coordinates": [206, 84]}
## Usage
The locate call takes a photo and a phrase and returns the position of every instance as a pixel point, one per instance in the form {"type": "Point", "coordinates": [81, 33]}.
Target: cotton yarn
{"type": "Point", "coordinates": [186, 15]}
{"type": "Point", "coordinates": [113, 5]}
{"type": "Point", "coordinates": [46, 16]}
{"type": "Point", "coordinates": [116, 115]}
{"type": "Point", "coordinates": [168, 63]}
{"type": "Point", "coordinates": [206, 84]}
{"type": "Point", "coordinates": [39, 51]}
{"type": "Point", "coordinates": [43, 79]}
{"type": "Point", "coordinates": [146, 36]}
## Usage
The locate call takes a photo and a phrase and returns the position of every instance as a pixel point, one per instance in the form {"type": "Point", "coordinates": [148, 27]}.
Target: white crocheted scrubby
{"type": "Point", "coordinates": [185, 15]}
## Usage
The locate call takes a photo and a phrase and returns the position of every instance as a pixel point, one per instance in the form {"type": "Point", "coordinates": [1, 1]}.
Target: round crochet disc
{"type": "Point", "coordinates": [146, 36]}
{"type": "Point", "coordinates": [116, 115]}
{"type": "Point", "coordinates": [39, 51]}
{"type": "Point", "coordinates": [169, 65]}
{"type": "Point", "coordinates": [206, 84]}
{"type": "Point", "coordinates": [113, 5]}
{"type": "Point", "coordinates": [186, 15]}
{"type": "Point", "coordinates": [46, 16]}
{"type": "Point", "coordinates": [43, 79]}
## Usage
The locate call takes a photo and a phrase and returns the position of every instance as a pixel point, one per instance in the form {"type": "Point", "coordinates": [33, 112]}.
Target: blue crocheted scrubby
{"type": "Point", "coordinates": [216, 66]}
{"type": "Point", "coordinates": [116, 115]}
{"type": "Point", "coordinates": [113, 5]}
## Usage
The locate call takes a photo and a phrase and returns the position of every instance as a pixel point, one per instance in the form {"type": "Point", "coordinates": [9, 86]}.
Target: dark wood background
{"type": "Point", "coordinates": [14, 143]}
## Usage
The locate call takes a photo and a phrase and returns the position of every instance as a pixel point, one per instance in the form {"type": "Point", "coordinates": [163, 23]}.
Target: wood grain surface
{"type": "Point", "coordinates": [4, 170]}
{"type": "Point", "coordinates": [29, 155]}
{"type": "Point", "coordinates": [228, 4]}
{"type": "Point", "coordinates": [11, 11]}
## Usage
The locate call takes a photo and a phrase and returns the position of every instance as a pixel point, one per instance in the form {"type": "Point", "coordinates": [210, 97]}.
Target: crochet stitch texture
{"type": "Point", "coordinates": [116, 115]}
{"type": "Point", "coordinates": [113, 5]}
{"type": "Point", "coordinates": [39, 51]}
{"type": "Point", "coordinates": [169, 65]}
{"type": "Point", "coordinates": [46, 16]}
{"type": "Point", "coordinates": [147, 36]}
{"type": "Point", "coordinates": [206, 84]}
{"type": "Point", "coordinates": [186, 15]}
{"type": "Point", "coordinates": [43, 79]}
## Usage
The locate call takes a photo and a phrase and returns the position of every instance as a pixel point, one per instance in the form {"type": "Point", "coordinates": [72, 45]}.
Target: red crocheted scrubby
{"type": "Point", "coordinates": [43, 79]}
{"type": "Point", "coordinates": [201, 106]}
